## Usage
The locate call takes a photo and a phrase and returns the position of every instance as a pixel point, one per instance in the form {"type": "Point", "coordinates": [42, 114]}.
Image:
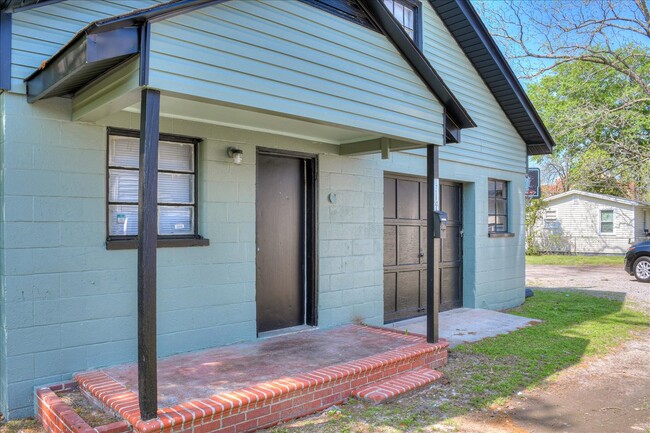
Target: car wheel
{"type": "Point", "coordinates": [642, 269]}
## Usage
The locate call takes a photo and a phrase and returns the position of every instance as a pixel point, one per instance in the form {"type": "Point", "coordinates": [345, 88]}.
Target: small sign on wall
{"type": "Point", "coordinates": [533, 183]}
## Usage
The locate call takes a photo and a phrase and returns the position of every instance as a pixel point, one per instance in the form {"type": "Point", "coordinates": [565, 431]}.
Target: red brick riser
{"type": "Point", "coordinates": [265, 404]}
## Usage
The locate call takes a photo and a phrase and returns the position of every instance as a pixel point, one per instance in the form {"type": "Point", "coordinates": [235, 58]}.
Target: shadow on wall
{"type": "Point", "coordinates": [552, 239]}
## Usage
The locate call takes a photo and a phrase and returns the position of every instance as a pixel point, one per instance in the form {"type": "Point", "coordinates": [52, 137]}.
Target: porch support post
{"type": "Point", "coordinates": [433, 295]}
{"type": "Point", "coordinates": [147, 244]}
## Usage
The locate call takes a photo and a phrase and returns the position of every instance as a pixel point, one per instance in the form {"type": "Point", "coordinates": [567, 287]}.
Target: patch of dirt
{"type": "Point", "coordinates": [89, 412]}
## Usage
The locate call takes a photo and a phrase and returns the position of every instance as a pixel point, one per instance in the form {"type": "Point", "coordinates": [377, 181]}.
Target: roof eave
{"type": "Point", "coordinates": [84, 58]}
{"type": "Point", "coordinates": [543, 143]}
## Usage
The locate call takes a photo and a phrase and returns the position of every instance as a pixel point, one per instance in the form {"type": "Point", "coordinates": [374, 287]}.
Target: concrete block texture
{"type": "Point", "coordinates": [71, 304]}
{"type": "Point", "coordinates": [68, 304]}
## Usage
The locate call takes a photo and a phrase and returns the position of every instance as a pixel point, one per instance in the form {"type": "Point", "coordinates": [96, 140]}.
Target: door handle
{"type": "Point", "coordinates": [421, 254]}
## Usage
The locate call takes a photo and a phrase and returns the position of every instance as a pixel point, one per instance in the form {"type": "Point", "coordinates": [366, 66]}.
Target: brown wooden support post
{"type": "Point", "coordinates": [147, 244]}
{"type": "Point", "coordinates": [433, 292]}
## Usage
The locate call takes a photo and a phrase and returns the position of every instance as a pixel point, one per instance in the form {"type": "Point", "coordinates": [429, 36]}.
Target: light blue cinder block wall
{"type": "Point", "coordinates": [70, 304]}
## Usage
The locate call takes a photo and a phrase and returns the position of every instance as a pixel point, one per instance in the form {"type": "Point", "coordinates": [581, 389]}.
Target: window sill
{"type": "Point", "coordinates": [132, 244]}
{"type": "Point", "coordinates": [501, 235]}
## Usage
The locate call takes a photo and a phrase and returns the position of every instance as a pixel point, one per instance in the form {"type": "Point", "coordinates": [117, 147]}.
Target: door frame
{"type": "Point", "coordinates": [461, 244]}
{"type": "Point", "coordinates": [310, 235]}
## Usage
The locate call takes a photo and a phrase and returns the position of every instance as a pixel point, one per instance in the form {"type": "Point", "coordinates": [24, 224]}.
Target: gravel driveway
{"type": "Point", "coordinates": [611, 281]}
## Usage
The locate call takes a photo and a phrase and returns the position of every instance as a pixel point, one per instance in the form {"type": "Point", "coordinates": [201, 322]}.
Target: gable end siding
{"type": "Point", "coordinates": [494, 143]}
{"type": "Point", "coordinates": [293, 59]}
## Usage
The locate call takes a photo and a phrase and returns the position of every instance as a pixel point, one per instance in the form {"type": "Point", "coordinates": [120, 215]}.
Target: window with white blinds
{"type": "Point", "coordinates": [176, 185]}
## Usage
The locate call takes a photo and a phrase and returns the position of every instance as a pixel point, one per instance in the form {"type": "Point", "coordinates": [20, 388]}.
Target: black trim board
{"type": "Point", "coordinates": [81, 62]}
{"type": "Point", "coordinates": [465, 25]}
{"type": "Point", "coordinates": [5, 51]}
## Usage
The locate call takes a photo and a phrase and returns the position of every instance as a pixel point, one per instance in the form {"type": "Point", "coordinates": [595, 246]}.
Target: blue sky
{"type": "Point", "coordinates": [570, 11]}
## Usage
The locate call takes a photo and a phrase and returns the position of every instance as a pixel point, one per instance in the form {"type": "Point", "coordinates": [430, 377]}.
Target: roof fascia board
{"type": "Point", "coordinates": [83, 51]}
{"type": "Point", "coordinates": [486, 39]}
{"type": "Point", "coordinates": [414, 56]}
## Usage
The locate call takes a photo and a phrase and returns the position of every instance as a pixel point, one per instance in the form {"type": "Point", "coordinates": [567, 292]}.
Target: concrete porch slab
{"type": "Point", "coordinates": [467, 325]}
{"type": "Point", "coordinates": [244, 387]}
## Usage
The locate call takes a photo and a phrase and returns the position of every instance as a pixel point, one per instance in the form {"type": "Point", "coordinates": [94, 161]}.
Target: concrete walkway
{"type": "Point", "coordinates": [467, 325]}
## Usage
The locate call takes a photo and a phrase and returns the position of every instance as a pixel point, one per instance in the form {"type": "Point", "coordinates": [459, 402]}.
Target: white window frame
{"type": "Point", "coordinates": [600, 221]}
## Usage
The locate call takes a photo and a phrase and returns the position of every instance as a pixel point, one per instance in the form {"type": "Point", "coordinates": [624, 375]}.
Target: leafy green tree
{"type": "Point", "coordinates": [600, 121]}
{"type": "Point", "coordinates": [534, 213]}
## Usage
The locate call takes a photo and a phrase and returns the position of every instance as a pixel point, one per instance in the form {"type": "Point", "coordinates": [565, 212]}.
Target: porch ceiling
{"type": "Point", "coordinates": [207, 112]}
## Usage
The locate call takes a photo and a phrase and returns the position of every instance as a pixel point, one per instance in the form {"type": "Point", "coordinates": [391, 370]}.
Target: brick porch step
{"type": "Point", "coordinates": [397, 385]}
{"type": "Point", "coordinates": [255, 405]}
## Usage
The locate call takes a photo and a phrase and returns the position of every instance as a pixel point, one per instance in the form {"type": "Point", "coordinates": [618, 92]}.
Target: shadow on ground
{"type": "Point", "coordinates": [482, 375]}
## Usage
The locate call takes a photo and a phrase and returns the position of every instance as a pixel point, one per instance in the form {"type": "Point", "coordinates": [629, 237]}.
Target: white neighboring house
{"type": "Point", "coordinates": [588, 223]}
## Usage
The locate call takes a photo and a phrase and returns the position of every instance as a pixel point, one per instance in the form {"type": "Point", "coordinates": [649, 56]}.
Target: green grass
{"type": "Point", "coordinates": [564, 260]}
{"type": "Point", "coordinates": [575, 326]}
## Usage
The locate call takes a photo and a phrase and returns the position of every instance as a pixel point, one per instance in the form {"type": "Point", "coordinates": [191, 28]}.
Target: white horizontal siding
{"type": "Point", "coordinates": [578, 225]}
{"type": "Point", "coordinates": [494, 143]}
{"type": "Point", "coordinates": [642, 222]}
{"type": "Point", "coordinates": [293, 59]}
{"type": "Point", "coordinates": [37, 34]}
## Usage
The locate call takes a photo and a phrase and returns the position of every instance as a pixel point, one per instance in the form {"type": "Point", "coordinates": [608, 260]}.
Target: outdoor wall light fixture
{"type": "Point", "coordinates": [237, 155]}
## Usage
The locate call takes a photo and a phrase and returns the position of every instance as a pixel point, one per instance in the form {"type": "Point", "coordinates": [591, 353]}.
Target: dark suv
{"type": "Point", "coordinates": [637, 261]}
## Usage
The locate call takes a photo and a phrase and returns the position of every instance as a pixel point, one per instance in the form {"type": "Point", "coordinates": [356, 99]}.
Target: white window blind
{"type": "Point", "coordinates": [176, 187]}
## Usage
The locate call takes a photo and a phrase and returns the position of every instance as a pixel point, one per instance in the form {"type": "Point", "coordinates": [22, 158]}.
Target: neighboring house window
{"type": "Point", "coordinates": [497, 206]}
{"type": "Point", "coordinates": [177, 209]}
{"type": "Point", "coordinates": [550, 219]}
{"type": "Point", "coordinates": [407, 13]}
{"type": "Point", "coordinates": [607, 221]}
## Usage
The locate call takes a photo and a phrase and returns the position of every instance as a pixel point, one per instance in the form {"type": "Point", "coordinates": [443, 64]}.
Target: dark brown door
{"type": "Point", "coordinates": [405, 247]}
{"type": "Point", "coordinates": [405, 225]}
{"type": "Point", "coordinates": [280, 239]}
{"type": "Point", "coordinates": [451, 248]}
